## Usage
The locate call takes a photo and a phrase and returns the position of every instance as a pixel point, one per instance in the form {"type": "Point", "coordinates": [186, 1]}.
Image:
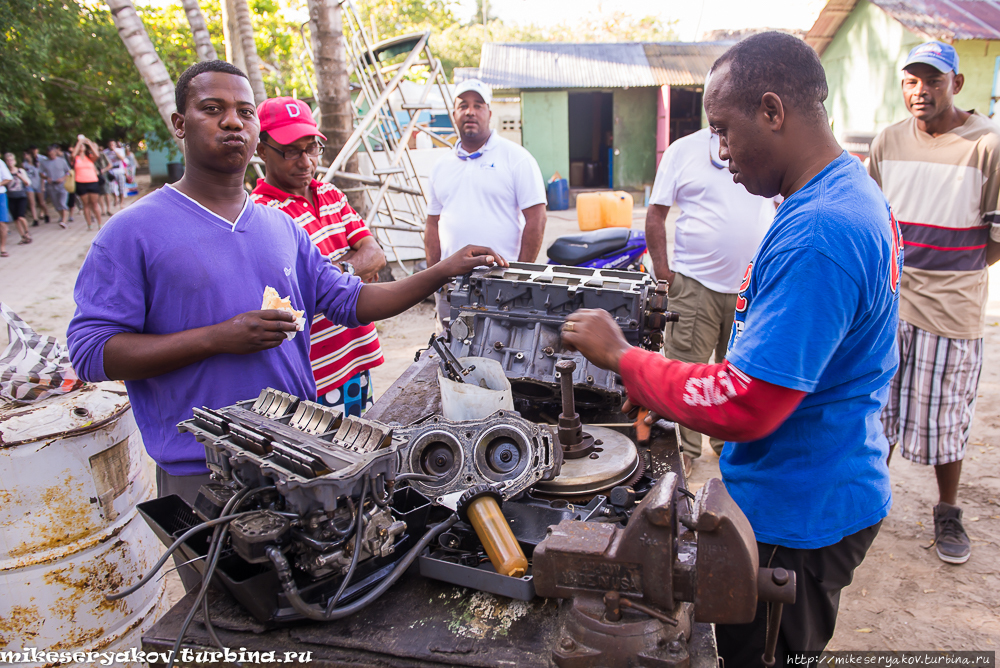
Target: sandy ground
{"type": "Point", "coordinates": [902, 598]}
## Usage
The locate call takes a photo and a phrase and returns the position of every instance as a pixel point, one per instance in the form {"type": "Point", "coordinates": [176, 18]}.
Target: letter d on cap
{"type": "Point", "coordinates": [293, 110]}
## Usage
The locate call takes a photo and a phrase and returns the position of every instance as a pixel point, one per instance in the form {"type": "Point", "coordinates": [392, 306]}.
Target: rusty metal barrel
{"type": "Point", "coordinates": [72, 469]}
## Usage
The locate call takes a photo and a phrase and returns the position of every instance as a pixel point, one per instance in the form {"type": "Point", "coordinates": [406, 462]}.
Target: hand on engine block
{"type": "Point", "coordinates": [594, 333]}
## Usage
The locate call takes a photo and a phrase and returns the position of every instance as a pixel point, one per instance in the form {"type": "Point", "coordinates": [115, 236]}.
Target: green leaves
{"type": "Point", "coordinates": [59, 57]}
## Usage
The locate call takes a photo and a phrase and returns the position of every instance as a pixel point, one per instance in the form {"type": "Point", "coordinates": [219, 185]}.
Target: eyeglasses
{"type": "Point", "coordinates": [714, 148]}
{"type": "Point", "coordinates": [313, 151]}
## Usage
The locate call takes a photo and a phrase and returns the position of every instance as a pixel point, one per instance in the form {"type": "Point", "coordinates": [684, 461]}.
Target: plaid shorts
{"type": "Point", "coordinates": [932, 397]}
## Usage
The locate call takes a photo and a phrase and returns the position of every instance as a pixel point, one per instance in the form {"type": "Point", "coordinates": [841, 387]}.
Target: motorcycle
{"type": "Point", "coordinates": [609, 248]}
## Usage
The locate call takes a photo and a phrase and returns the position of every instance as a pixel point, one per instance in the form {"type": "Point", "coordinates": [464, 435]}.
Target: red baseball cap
{"type": "Point", "coordinates": [287, 120]}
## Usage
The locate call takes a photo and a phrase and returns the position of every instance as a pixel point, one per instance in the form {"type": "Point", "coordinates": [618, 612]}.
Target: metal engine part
{"type": "Point", "coordinates": [504, 451]}
{"type": "Point", "coordinates": [379, 540]}
{"type": "Point", "coordinates": [312, 454]}
{"type": "Point", "coordinates": [514, 315]}
{"type": "Point", "coordinates": [325, 470]}
{"type": "Point", "coordinates": [614, 460]}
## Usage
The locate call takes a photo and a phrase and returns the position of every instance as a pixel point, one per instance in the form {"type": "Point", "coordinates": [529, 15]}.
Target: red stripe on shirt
{"type": "Point", "coordinates": [943, 248]}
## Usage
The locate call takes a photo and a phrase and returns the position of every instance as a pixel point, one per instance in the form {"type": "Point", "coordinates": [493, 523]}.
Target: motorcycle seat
{"type": "Point", "coordinates": [575, 249]}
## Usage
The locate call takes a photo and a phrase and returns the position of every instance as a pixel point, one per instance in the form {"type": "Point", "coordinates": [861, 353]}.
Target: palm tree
{"type": "Point", "coordinates": [202, 38]}
{"type": "Point", "coordinates": [333, 93]}
{"type": "Point", "coordinates": [230, 34]}
{"type": "Point", "coordinates": [151, 68]}
{"type": "Point", "coordinates": [250, 50]}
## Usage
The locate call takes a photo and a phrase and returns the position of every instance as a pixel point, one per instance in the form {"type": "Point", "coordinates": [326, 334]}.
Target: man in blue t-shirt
{"type": "Point", "coordinates": [813, 348]}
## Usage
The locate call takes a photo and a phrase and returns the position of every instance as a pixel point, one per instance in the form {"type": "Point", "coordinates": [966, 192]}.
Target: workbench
{"type": "Point", "coordinates": [419, 621]}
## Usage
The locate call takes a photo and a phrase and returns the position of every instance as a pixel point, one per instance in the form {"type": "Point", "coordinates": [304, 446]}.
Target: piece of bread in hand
{"type": "Point", "coordinates": [272, 302]}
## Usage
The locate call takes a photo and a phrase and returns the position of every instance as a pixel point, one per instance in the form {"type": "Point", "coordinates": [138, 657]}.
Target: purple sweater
{"type": "Point", "coordinates": [166, 264]}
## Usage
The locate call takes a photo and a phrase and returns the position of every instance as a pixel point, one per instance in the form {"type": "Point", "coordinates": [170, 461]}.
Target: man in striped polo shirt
{"type": "Point", "coordinates": [290, 147]}
{"type": "Point", "coordinates": [939, 171]}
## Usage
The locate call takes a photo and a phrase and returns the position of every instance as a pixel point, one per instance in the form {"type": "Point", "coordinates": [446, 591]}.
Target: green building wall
{"type": "Point", "coordinates": [977, 60]}
{"type": "Point", "coordinates": [545, 130]}
{"type": "Point", "coordinates": [863, 69]}
{"type": "Point", "coordinates": [864, 65]}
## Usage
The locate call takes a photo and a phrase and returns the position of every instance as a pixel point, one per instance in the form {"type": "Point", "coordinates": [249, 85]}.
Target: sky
{"type": "Point", "coordinates": [694, 17]}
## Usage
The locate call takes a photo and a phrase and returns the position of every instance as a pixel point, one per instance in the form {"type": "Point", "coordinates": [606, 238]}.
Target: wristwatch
{"type": "Point", "coordinates": [347, 268]}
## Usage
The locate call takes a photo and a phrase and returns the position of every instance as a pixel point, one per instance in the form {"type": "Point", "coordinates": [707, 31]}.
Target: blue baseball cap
{"type": "Point", "coordinates": [938, 55]}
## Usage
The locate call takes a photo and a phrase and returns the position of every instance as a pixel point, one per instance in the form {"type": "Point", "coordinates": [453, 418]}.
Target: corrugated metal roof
{"type": "Point", "coordinates": [547, 65]}
{"type": "Point", "coordinates": [683, 64]}
{"type": "Point", "coordinates": [828, 23]}
{"type": "Point", "coordinates": [945, 20]}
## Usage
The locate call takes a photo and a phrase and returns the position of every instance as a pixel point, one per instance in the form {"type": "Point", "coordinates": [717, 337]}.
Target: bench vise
{"type": "Point", "coordinates": [634, 592]}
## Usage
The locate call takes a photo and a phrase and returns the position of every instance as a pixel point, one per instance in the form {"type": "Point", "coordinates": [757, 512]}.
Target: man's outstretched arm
{"type": "Point", "coordinates": [377, 301]}
{"type": "Point", "coordinates": [715, 399]}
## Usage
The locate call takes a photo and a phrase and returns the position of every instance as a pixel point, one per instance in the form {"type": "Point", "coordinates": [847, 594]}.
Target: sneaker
{"type": "Point", "coordinates": [952, 542]}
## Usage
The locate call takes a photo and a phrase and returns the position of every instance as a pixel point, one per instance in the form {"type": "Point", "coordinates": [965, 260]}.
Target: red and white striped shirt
{"type": "Point", "coordinates": [336, 353]}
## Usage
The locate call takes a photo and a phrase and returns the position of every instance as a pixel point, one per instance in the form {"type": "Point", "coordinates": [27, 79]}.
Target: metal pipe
{"type": "Point", "coordinates": [566, 369]}
{"type": "Point", "coordinates": [773, 626]}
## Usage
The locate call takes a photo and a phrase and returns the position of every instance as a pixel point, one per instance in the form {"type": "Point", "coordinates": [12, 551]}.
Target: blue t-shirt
{"type": "Point", "coordinates": [167, 264]}
{"type": "Point", "coordinates": [817, 312]}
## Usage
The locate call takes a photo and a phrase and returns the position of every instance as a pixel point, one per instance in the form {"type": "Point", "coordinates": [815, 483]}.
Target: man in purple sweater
{"type": "Point", "coordinates": [168, 297]}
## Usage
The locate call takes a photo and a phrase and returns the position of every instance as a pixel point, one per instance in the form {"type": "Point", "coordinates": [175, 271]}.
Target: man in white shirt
{"type": "Point", "coordinates": [489, 190]}
{"type": "Point", "coordinates": [719, 229]}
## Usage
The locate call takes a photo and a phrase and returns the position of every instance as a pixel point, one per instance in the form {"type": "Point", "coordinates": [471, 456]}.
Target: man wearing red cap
{"type": "Point", "coordinates": [290, 148]}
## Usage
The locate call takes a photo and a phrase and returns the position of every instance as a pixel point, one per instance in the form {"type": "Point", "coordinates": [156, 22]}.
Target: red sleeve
{"type": "Point", "coordinates": [715, 399]}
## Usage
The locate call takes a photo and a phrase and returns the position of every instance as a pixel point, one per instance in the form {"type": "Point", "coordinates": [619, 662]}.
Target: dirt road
{"type": "Point", "coordinates": [903, 597]}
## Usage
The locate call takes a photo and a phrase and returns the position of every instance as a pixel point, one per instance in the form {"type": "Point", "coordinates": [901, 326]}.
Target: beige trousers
{"type": "Point", "coordinates": [704, 326]}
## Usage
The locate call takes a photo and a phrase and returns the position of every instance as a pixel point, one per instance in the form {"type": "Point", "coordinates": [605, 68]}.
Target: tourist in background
{"type": "Point", "coordinates": [116, 156]}
{"type": "Point", "coordinates": [88, 190]}
{"type": "Point", "coordinates": [17, 197]}
{"type": "Point", "coordinates": [54, 172]}
{"type": "Point", "coordinates": [5, 179]}
{"type": "Point", "coordinates": [36, 195]}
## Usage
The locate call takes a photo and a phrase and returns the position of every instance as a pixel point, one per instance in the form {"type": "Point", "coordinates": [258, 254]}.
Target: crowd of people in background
{"type": "Point", "coordinates": [84, 177]}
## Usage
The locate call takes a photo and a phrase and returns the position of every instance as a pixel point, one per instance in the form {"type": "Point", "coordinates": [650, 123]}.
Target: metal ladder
{"type": "Point", "coordinates": [395, 199]}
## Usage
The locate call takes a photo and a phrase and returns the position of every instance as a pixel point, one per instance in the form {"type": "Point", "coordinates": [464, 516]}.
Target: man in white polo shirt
{"type": "Point", "coordinates": [719, 229]}
{"type": "Point", "coordinates": [489, 190]}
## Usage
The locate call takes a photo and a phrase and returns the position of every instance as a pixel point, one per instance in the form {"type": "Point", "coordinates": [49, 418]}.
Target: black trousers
{"type": "Point", "coordinates": [186, 487]}
{"type": "Point", "coordinates": [808, 625]}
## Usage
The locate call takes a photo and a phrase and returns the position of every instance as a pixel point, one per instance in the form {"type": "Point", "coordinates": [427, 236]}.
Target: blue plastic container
{"type": "Point", "coordinates": [558, 195]}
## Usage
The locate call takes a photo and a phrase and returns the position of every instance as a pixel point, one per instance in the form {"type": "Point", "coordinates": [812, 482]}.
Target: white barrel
{"type": "Point", "coordinates": [72, 469]}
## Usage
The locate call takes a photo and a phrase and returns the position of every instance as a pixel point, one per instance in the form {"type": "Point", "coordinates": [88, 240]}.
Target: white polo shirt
{"type": "Point", "coordinates": [721, 224]}
{"type": "Point", "coordinates": [480, 199]}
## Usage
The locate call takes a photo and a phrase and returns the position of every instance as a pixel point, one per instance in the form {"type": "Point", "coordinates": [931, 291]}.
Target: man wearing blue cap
{"type": "Point", "coordinates": [939, 171]}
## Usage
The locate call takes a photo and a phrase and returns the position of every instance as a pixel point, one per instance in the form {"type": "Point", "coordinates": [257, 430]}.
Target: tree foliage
{"type": "Point", "coordinates": [459, 44]}
{"type": "Point", "coordinates": [65, 71]}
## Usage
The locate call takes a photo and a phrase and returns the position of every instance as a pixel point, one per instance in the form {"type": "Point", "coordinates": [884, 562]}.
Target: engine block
{"type": "Point", "coordinates": [514, 315]}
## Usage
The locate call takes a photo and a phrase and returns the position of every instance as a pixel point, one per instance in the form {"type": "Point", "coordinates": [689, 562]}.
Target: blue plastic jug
{"type": "Point", "coordinates": [558, 195]}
